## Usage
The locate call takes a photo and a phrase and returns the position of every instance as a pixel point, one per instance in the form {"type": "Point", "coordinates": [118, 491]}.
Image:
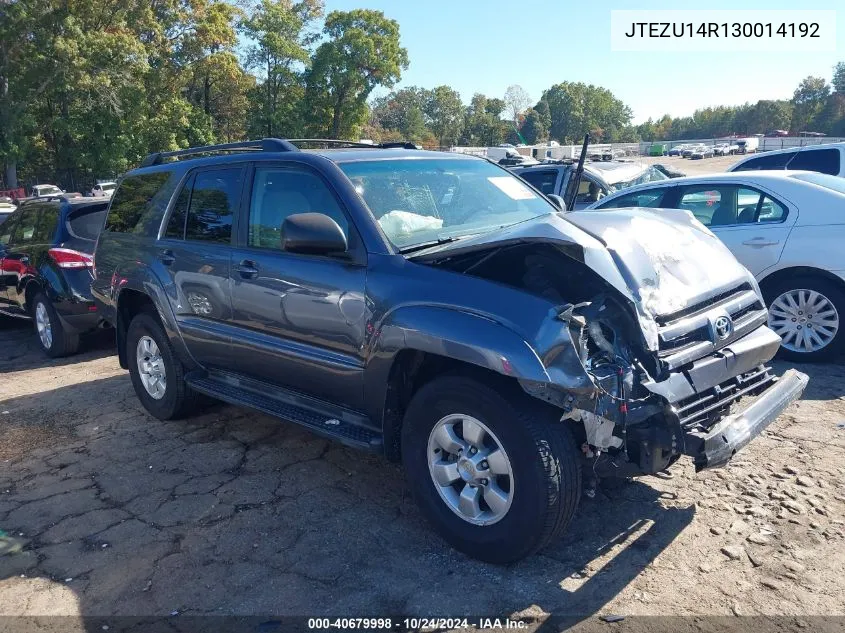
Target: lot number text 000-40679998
{"type": "Point", "coordinates": [723, 30]}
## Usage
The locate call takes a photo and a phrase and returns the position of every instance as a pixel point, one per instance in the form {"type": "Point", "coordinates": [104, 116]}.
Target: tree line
{"type": "Point", "coordinates": [89, 87]}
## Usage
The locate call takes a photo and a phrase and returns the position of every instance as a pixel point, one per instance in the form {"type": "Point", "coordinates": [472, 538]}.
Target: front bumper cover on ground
{"type": "Point", "coordinates": [721, 443]}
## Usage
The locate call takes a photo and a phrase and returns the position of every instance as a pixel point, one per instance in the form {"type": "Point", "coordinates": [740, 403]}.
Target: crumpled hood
{"type": "Point", "coordinates": [661, 260]}
{"type": "Point", "coordinates": [667, 256]}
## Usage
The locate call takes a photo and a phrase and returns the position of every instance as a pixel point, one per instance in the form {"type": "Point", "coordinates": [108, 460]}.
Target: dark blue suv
{"type": "Point", "coordinates": [437, 309]}
{"type": "Point", "coordinates": [46, 257]}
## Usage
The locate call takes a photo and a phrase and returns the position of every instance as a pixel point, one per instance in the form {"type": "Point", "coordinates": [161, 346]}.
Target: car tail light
{"type": "Point", "coordinates": [68, 258]}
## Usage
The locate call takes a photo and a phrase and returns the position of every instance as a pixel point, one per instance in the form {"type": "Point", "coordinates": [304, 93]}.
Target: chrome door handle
{"type": "Point", "coordinates": [760, 241]}
{"type": "Point", "coordinates": [247, 269]}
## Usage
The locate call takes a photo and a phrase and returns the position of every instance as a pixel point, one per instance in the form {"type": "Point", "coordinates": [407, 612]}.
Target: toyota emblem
{"type": "Point", "coordinates": [723, 326]}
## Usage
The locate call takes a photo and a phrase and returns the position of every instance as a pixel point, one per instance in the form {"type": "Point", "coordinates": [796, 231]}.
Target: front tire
{"type": "Point", "coordinates": [49, 331]}
{"type": "Point", "coordinates": [497, 475]}
{"type": "Point", "coordinates": [157, 374]}
{"type": "Point", "coordinates": [807, 312]}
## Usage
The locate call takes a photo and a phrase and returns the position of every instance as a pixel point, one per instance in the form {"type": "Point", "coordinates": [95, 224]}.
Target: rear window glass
{"type": "Point", "coordinates": [823, 180]}
{"type": "Point", "coordinates": [87, 222]}
{"type": "Point", "coordinates": [131, 199]}
{"type": "Point", "coordinates": [542, 180]}
{"type": "Point", "coordinates": [824, 161]}
{"type": "Point", "coordinates": [772, 161]}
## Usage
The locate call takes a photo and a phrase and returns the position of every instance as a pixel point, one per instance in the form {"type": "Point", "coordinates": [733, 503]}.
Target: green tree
{"type": "Point", "coordinates": [444, 111]}
{"type": "Point", "coordinates": [533, 130]}
{"type": "Point", "coordinates": [280, 36]}
{"type": "Point", "coordinates": [808, 101]}
{"type": "Point", "coordinates": [839, 77]}
{"type": "Point", "coordinates": [402, 111]}
{"type": "Point", "coordinates": [577, 108]}
{"type": "Point", "coordinates": [362, 51]}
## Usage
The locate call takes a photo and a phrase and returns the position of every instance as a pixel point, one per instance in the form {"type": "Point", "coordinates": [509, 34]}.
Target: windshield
{"type": "Point", "coordinates": [823, 180]}
{"type": "Point", "coordinates": [108, 186]}
{"type": "Point", "coordinates": [419, 201]}
{"type": "Point", "coordinates": [43, 191]}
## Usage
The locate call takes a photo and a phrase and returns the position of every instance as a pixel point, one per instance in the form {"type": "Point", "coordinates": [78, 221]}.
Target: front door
{"type": "Point", "coordinates": [300, 319]}
{"type": "Point", "coordinates": [195, 252]}
{"type": "Point", "coordinates": [751, 223]}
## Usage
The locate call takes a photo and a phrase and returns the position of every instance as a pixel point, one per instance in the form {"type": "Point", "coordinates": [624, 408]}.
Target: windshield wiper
{"type": "Point", "coordinates": [424, 245]}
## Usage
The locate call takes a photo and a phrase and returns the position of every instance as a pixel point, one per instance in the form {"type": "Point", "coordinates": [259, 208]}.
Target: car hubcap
{"type": "Point", "coordinates": [151, 367]}
{"type": "Point", "coordinates": [42, 324]}
{"type": "Point", "coordinates": [470, 469]}
{"type": "Point", "coordinates": [806, 320]}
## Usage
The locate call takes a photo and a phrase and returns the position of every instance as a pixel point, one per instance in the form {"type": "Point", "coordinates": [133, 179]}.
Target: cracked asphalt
{"type": "Point", "coordinates": [111, 512]}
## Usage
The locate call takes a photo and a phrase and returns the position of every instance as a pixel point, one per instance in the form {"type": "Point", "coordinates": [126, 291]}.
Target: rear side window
{"type": "Point", "coordinates": [87, 222]}
{"type": "Point", "coordinates": [772, 161]}
{"type": "Point", "coordinates": [824, 161]}
{"type": "Point", "coordinates": [131, 199]}
{"type": "Point", "coordinates": [649, 198]}
{"type": "Point", "coordinates": [542, 180]}
{"type": "Point", "coordinates": [176, 223]}
{"type": "Point", "coordinates": [214, 198]}
{"type": "Point", "coordinates": [45, 227]}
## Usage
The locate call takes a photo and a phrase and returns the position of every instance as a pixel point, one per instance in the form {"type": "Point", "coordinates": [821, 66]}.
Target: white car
{"type": "Point", "coordinates": [786, 228]}
{"type": "Point", "coordinates": [7, 206]}
{"type": "Point", "coordinates": [103, 189]}
{"type": "Point", "coordinates": [725, 149]}
{"type": "Point", "coordinates": [42, 191]}
{"type": "Point", "coordinates": [828, 158]}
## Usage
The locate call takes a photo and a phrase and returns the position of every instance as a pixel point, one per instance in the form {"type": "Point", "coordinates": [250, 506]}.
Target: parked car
{"type": "Point", "coordinates": [435, 308]}
{"type": "Point", "coordinates": [42, 191]}
{"type": "Point", "coordinates": [689, 150]}
{"type": "Point", "coordinates": [725, 149]}
{"type": "Point", "coordinates": [103, 189]}
{"type": "Point", "coordinates": [45, 269]}
{"type": "Point", "coordinates": [7, 206]}
{"type": "Point", "coordinates": [703, 151]}
{"type": "Point", "coordinates": [598, 180]}
{"type": "Point", "coordinates": [677, 150]}
{"type": "Point", "coordinates": [667, 171]}
{"type": "Point", "coordinates": [786, 228]}
{"type": "Point", "coordinates": [825, 159]}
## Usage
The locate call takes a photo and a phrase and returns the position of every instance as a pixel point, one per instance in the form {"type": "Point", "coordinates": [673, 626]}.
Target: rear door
{"type": "Point", "coordinates": [31, 238]}
{"type": "Point", "coordinates": [752, 223]}
{"type": "Point", "coordinates": [195, 250]}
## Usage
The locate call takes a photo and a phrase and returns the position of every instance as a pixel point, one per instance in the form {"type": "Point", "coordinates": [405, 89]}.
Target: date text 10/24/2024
{"type": "Point", "coordinates": [417, 624]}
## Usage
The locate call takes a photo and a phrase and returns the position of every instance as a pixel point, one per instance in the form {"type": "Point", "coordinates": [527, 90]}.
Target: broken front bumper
{"type": "Point", "coordinates": [722, 441]}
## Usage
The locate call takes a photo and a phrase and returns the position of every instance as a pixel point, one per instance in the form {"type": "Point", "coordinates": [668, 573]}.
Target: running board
{"type": "Point", "coordinates": [343, 425]}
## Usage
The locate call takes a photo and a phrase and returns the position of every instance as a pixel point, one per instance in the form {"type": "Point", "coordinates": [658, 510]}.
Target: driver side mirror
{"type": "Point", "coordinates": [557, 201]}
{"type": "Point", "coordinates": [312, 234]}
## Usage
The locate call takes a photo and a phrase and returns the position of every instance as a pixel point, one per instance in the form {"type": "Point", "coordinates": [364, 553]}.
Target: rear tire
{"type": "Point", "coordinates": [51, 335]}
{"type": "Point", "coordinates": [544, 480]}
{"type": "Point", "coordinates": [157, 374]}
{"type": "Point", "coordinates": [784, 298]}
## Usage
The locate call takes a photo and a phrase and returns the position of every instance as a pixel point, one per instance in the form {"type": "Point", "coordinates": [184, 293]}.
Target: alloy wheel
{"type": "Point", "coordinates": [470, 469]}
{"type": "Point", "coordinates": [151, 367]}
{"type": "Point", "coordinates": [806, 320]}
{"type": "Point", "coordinates": [43, 325]}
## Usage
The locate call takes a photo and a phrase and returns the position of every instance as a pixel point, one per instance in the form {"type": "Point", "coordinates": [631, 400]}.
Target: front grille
{"type": "Point", "coordinates": [688, 334]}
{"type": "Point", "coordinates": [704, 409]}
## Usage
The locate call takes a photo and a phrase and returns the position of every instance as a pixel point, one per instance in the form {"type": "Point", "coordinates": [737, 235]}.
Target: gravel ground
{"type": "Point", "coordinates": [231, 512]}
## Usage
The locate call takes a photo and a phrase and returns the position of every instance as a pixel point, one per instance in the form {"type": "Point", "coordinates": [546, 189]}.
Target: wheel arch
{"type": "Point", "coordinates": [768, 282]}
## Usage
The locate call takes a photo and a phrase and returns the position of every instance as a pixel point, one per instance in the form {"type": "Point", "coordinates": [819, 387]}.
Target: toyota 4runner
{"type": "Point", "coordinates": [437, 309]}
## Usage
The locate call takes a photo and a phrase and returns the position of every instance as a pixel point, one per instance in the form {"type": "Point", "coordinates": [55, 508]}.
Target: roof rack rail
{"type": "Point", "coordinates": [341, 142]}
{"type": "Point", "coordinates": [264, 145]}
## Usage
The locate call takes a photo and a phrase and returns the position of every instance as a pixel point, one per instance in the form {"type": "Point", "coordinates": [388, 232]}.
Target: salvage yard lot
{"type": "Point", "coordinates": [232, 512]}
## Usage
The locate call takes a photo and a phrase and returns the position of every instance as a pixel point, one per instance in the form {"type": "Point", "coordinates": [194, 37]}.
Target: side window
{"type": "Point", "coordinates": [824, 161]}
{"type": "Point", "coordinates": [9, 228]}
{"type": "Point", "coordinates": [176, 223]}
{"type": "Point", "coordinates": [772, 161]}
{"type": "Point", "coordinates": [131, 199]}
{"type": "Point", "coordinates": [25, 228]}
{"type": "Point", "coordinates": [542, 180]}
{"type": "Point", "coordinates": [712, 206]}
{"type": "Point", "coordinates": [649, 198]}
{"type": "Point", "coordinates": [214, 200]}
{"type": "Point", "coordinates": [589, 191]}
{"type": "Point", "coordinates": [45, 228]}
{"type": "Point", "coordinates": [771, 211]}
{"type": "Point", "coordinates": [278, 192]}
{"type": "Point", "coordinates": [747, 203]}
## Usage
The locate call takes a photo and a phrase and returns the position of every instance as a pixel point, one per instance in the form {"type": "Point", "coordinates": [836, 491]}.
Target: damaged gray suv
{"type": "Point", "coordinates": [437, 309]}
